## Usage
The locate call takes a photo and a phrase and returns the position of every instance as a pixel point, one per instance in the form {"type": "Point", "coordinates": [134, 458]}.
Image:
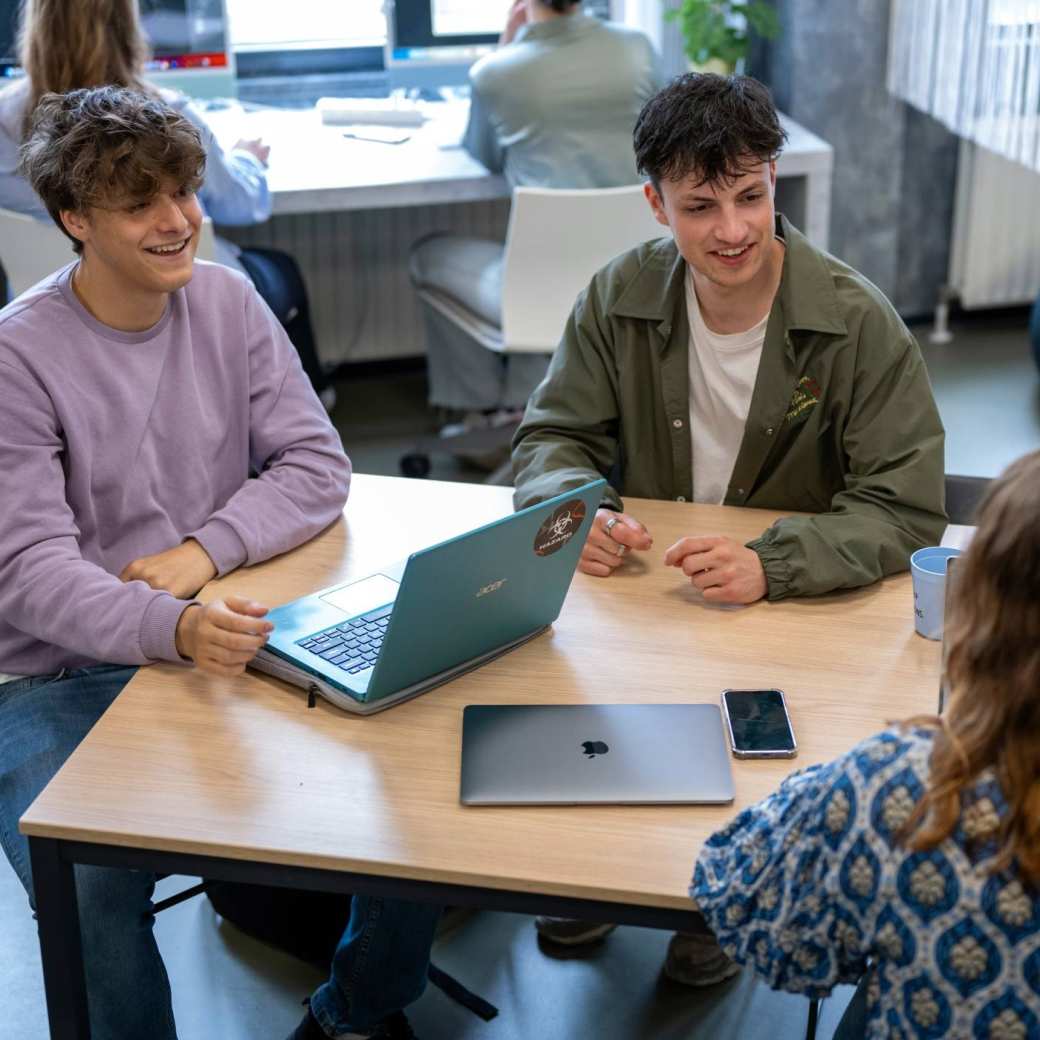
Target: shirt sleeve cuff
{"type": "Point", "coordinates": [222, 545]}
{"type": "Point", "coordinates": [249, 158]}
{"type": "Point", "coordinates": [779, 574]}
{"type": "Point", "coordinates": [159, 628]}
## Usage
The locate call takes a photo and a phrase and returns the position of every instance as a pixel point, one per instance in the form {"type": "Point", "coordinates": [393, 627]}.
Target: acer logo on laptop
{"type": "Point", "coordinates": [493, 587]}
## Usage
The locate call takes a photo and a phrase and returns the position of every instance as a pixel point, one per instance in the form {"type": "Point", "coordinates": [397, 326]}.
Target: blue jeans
{"type": "Point", "coordinates": [379, 966]}
{"type": "Point", "coordinates": [42, 720]}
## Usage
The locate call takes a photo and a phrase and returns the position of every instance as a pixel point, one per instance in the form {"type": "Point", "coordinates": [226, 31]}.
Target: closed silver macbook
{"type": "Point", "coordinates": [556, 754]}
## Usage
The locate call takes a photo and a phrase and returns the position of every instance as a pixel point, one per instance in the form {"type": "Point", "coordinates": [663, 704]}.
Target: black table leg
{"type": "Point", "coordinates": [814, 1017]}
{"type": "Point", "coordinates": [61, 945]}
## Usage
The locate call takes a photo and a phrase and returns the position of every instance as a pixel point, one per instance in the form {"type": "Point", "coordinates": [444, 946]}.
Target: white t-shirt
{"type": "Point", "coordinates": [723, 370]}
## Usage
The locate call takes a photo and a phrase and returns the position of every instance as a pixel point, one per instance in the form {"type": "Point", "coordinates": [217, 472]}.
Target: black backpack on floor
{"type": "Point", "coordinates": [278, 280]}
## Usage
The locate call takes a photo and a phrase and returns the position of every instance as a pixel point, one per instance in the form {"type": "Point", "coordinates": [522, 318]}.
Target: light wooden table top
{"type": "Point", "coordinates": [242, 769]}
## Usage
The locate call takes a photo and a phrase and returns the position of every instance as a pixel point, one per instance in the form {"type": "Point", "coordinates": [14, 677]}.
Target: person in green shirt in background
{"type": "Point", "coordinates": [735, 363]}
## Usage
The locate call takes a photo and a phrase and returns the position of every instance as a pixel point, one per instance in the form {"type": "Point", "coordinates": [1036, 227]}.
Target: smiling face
{"type": "Point", "coordinates": [140, 247]}
{"type": "Point", "coordinates": [724, 230]}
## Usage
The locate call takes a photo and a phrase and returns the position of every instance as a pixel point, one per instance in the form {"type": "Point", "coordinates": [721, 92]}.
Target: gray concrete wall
{"type": "Point", "coordinates": [894, 168]}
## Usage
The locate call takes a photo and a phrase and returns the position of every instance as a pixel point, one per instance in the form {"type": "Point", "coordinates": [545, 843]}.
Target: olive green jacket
{"type": "Point", "coordinates": [842, 422]}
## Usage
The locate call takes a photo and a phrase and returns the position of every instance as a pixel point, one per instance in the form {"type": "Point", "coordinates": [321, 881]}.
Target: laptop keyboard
{"type": "Point", "coordinates": [354, 645]}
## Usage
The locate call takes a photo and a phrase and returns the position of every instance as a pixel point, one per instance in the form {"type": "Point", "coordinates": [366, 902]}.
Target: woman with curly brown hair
{"type": "Point", "coordinates": [913, 862]}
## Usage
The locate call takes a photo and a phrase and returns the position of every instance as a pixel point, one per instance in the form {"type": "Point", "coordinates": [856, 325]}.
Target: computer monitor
{"type": "Point", "coordinates": [433, 43]}
{"type": "Point", "coordinates": [189, 40]}
{"type": "Point", "coordinates": [191, 48]}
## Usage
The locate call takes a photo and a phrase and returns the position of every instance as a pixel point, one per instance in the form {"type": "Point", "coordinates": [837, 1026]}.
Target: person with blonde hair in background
{"type": "Point", "coordinates": [65, 46]}
{"type": "Point", "coordinates": [912, 863]}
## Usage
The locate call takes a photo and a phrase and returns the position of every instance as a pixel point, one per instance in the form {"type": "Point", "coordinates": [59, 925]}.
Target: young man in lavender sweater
{"type": "Point", "coordinates": [156, 431]}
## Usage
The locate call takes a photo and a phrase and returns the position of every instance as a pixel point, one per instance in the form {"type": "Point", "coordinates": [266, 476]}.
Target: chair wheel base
{"type": "Point", "coordinates": [415, 464]}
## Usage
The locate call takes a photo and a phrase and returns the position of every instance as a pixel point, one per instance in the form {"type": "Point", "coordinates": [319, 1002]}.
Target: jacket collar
{"type": "Point", "coordinates": [807, 297]}
{"type": "Point", "coordinates": [657, 286]}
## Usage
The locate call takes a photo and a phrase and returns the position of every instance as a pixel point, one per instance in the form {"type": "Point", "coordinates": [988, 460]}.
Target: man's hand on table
{"type": "Point", "coordinates": [605, 549]}
{"type": "Point", "coordinates": [724, 570]}
{"type": "Point", "coordinates": [222, 637]}
{"type": "Point", "coordinates": [181, 571]}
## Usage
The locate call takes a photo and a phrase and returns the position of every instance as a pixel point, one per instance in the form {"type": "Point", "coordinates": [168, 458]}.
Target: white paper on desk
{"type": "Point", "coordinates": [957, 536]}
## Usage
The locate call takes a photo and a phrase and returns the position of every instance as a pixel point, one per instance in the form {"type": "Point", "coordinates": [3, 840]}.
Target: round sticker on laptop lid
{"type": "Point", "coordinates": [561, 526]}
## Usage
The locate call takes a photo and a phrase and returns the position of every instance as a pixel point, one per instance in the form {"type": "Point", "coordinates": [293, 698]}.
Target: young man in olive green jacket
{"type": "Point", "coordinates": [833, 415]}
{"type": "Point", "coordinates": [735, 363]}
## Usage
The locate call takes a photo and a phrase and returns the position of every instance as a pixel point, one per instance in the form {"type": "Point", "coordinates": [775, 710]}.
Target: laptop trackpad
{"type": "Point", "coordinates": [363, 596]}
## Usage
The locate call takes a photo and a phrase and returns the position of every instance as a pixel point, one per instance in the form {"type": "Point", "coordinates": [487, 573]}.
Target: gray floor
{"type": "Point", "coordinates": [985, 382]}
{"type": "Point", "coordinates": [230, 987]}
{"type": "Point", "coordinates": [988, 390]}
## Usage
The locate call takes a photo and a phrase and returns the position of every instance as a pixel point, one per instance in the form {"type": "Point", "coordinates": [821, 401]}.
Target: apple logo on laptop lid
{"type": "Point", "coordinates": [592, 748]}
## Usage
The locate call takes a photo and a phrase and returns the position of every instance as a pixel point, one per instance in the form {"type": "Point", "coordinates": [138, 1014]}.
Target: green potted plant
{"type": "Point", "coordinates": [717, 32]}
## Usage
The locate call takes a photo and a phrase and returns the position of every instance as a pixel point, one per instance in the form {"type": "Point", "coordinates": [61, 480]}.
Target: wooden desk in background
{"type": "Point", "coordinates": [239, 780]}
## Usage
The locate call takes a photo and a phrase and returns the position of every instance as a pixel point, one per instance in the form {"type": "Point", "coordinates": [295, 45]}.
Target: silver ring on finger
{"type": "Point", "coordinates": [610, 525]}
{"type": "Point", "coordinates": [621, 550]}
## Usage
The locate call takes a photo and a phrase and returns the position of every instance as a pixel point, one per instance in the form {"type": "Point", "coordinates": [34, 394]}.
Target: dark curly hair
{"type": "Point", "coordinates": [93, 147]}
{"type": "Point", "coordinates": [717, 127]}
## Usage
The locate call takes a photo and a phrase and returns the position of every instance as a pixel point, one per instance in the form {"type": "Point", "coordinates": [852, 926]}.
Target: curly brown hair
{"type": "Point", "coordinates": [97, 147]}
{"type": "Point", "coordinates": [993, 672]}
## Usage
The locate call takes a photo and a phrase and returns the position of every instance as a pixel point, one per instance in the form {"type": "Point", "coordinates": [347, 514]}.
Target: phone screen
{"type": "Point", "coordinates": [758, 720]}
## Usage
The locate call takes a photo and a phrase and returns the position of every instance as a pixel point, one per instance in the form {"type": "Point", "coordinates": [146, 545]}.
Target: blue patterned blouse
{"type": "Point", "coordinates": [809, 886]}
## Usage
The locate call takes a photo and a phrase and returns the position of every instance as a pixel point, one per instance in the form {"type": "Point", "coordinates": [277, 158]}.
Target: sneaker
{"type": "Point", "coordinates": [395, 1027]}
{"type": "Point", "coordinates": [566, 932]}
{"type": "Point", "coordinates": [468, 422]}
{"type": "Point", "coordinates": [697, 960]}
{"type": "Point", "coordinates": [505, 417]}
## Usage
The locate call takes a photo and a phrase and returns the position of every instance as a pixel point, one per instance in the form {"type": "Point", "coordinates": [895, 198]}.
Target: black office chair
{"type": "Point", "coordinates": [963, 495]}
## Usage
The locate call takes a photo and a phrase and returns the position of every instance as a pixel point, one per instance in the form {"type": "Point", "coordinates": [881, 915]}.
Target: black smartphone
{"type": "Point", "coordinates": [758, 723]}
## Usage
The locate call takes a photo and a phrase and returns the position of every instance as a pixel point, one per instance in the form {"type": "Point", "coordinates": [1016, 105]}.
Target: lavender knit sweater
{"type": "Point", "coordinates": [116, 445]}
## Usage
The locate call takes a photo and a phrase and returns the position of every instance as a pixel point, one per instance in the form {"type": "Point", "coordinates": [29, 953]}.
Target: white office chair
{"type": "Point", "coordinates": [556, 241]}
{"type": "Point", "coordinates": [31, 249]}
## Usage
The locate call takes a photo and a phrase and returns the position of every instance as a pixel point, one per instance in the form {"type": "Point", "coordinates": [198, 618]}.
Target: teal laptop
{"type": "Point", "coordinates": [374, 642]}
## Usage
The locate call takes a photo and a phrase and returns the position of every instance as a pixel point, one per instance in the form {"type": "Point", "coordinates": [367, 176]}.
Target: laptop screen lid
{"type": "Point", "coordinates": [587, 754]}
{"type": "Point", "coordinates": [484, 589]}
{"type": "Point", "coordinates": [321, 644]}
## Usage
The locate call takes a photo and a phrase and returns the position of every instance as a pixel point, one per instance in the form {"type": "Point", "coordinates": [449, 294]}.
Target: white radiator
{"type": "Point", "coordinates": [355, 266]}
{"type": "Point", "coordinates": [995, 254]}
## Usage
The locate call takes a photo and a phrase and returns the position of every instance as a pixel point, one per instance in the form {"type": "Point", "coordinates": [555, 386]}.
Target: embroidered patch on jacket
{"type": "Point", "coordinates": [806, 395]}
